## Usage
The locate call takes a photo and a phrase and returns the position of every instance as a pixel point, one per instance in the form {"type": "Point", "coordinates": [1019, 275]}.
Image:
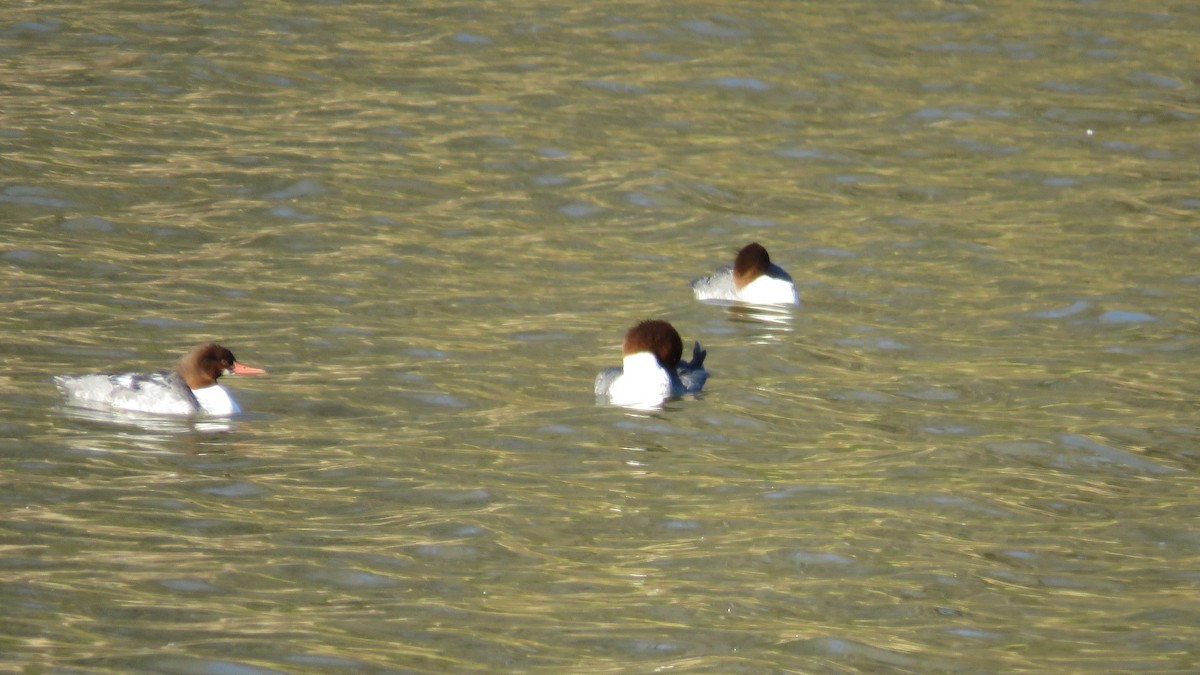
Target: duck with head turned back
{"type": "Point", "coordinates": [189, 389]}
{"type": "Point", "coordinates": [652, 370]}
{"type": "Point", "coordinates": [752, 279]}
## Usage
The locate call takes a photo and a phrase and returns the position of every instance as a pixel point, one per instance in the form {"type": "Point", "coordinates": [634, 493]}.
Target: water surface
{"type": "Point", "coordinates": [972, 448]}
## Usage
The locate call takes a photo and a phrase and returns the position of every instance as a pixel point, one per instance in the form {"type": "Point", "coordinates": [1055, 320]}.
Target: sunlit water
{"type": "Point", "coordinates": [973, 448]}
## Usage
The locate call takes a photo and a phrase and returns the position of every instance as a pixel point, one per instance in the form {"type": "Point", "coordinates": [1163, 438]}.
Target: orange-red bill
{"type": "Point", "coordinates": [240, 368]}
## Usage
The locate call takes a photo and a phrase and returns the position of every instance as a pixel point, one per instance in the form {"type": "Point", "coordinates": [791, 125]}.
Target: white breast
{"type": "Point", "coordinates": [768, 290]}
{"type": "Point", "coordinates": [216, 401]}
{"type": "Point", "coordinates": [642, 383]}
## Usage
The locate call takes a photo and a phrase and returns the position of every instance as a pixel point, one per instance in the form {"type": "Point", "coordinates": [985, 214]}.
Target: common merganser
{"type": "Point", "coordinates": [752, 278]}
{"type": "Point", "coordinates": [190, 389]}
{"type": "Point", "coordinates": [652, 369]}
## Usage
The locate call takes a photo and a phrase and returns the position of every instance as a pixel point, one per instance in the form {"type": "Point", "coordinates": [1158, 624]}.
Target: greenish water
{"type": "Point", "coordinates": [973, 448]}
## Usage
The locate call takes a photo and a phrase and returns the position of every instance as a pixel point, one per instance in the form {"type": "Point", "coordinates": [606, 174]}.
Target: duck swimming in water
{"type": "Point", "coordinates": [652, 370]}
{"type": "Point", "coordinates": [752, 279]}
{"type": "Point", "coordinates": [189, 389]}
